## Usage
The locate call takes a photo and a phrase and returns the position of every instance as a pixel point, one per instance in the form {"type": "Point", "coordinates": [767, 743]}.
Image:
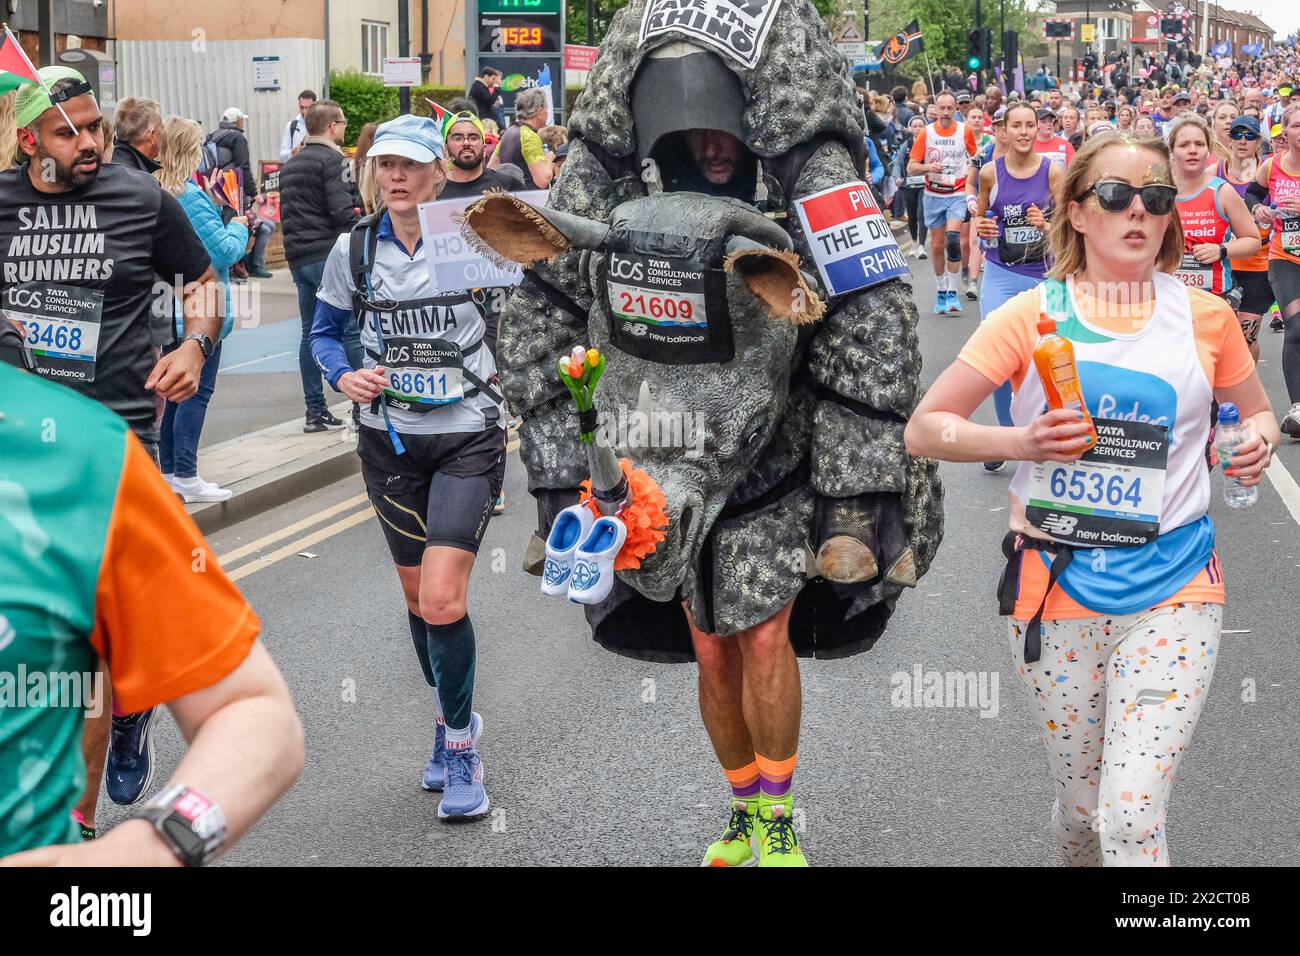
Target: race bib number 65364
{"type": "Point", "coordinates": [1112, 496]}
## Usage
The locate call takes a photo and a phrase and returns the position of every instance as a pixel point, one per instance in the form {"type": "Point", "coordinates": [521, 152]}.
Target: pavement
{"type": "Point", "coordinates": [595, 759]}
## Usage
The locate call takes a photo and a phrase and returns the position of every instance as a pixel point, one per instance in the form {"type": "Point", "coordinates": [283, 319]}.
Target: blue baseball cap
{"type": "Point", "coordinates": [416, 138]}
{"type": "Point", "coordinates": [1248, 123]}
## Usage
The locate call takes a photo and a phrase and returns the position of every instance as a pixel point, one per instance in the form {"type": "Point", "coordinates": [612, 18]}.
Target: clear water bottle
{"type": "Point", "coordinates": [1231, 433]}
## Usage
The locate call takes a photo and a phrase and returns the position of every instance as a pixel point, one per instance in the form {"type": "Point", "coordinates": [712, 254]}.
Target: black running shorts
{"type": "Point", "coordinates": [1256, 293]}
{"type": "Point", "coordinates": [440, 492]}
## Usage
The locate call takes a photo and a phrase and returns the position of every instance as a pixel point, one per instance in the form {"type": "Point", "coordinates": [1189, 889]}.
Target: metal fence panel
{"type": "Point", "coordinates": [200, 79]}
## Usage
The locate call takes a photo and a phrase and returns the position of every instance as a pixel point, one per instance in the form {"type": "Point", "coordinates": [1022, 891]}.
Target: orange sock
{"type": "Point", "coordinates": [744, 780]}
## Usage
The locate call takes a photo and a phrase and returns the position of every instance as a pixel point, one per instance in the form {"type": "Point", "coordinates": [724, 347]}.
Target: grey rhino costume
{"type": "Point", "coordinates": [804, 425]}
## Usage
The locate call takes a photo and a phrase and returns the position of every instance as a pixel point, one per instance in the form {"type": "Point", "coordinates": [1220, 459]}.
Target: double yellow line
{"type": "Point", "coordinates": [360, 511]}
{"type": "Point", "coordinates": [254, 548]}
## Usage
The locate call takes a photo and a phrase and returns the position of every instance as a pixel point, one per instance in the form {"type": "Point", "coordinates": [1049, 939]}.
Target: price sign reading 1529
{"type": "Point", "coordinates": [519, 34]}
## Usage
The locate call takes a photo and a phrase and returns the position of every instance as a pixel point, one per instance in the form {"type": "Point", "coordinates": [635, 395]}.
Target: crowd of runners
{"type": "Point", "coordinates": [1158, 228]}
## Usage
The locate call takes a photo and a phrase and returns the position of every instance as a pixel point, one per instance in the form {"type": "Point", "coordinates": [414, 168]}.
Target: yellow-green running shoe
{"type": "Point", "coordinates": [778, 844]}
{"type": "Point", "coordinates": [735, 848]}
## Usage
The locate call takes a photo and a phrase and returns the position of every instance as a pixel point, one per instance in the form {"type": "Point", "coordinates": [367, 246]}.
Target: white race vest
{"type": "Point", "coordinates": [1153, 376]}
{"type": "Point", "coordinates": [950, 150]}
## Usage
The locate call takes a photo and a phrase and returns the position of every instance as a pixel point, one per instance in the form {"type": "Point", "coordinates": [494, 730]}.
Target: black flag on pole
{"type": "Point", "coordinates": [903, 45]}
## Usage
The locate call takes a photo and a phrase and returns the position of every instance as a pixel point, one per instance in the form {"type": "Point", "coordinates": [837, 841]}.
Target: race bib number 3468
{"type": "Point", "coordinates": [60, 327]}
{"type": "Point", "coordinates": [1110, 497]}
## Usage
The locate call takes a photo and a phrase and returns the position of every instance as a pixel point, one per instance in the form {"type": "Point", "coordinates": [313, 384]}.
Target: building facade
{"type": "Point", "coordinates": [199, 57]}
{"type": "Point", "coordinates": [1134, 27]}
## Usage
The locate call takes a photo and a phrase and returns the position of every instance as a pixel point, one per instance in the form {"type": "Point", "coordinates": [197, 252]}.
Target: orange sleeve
{"type": "Point", "coordinates": [1002, 347]}
{"type": "Point", "coordinates": [918, 149]}
{"type": "Point", "coordinates": [168, 621]}
{"type": "Point", "coordinates": [971, 148]}
{"type": "Point", "coordinates": [1219, 342]}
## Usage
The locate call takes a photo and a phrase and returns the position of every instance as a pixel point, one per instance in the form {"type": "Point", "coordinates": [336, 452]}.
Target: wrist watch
{"type": "Point", "coordinates": [191, 825]}
{"type": "Point", "coordinates": [205, 343]}
{"type": "Point", "coordinates": [1223, 251]}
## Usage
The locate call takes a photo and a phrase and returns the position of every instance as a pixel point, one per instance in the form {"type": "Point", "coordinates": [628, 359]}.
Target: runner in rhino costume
{"type": "Point", "coordinates": [805, 518]}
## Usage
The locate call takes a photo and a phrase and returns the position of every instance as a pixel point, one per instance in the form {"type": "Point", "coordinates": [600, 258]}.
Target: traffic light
{"type": "Point", "coordinates": [979, 48]}
{"type": "Point", "coordinates": [1010, 50]}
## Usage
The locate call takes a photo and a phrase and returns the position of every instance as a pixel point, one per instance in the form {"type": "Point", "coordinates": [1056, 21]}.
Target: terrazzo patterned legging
{"type": "Point", "coordinates": [1118, 699]}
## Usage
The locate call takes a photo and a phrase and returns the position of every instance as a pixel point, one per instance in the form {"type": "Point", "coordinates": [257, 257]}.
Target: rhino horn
{"type": "Point", "coordinates": [774, 276]}
{"type": "Point", "coordinates": [508, 230]}
{"type": "Point", "coordinates": [645, 401]}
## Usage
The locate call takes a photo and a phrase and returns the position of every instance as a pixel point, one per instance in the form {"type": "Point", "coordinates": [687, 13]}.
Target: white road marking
{"type": "Point", "coordinates": [1286, 486]}
{"type": "Point", "coordinates": [264, 358]}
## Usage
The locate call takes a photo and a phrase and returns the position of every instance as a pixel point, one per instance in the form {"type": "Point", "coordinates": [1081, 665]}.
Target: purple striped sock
{"type": "Point", "coordinates": [749, 790]}
{"type": "Point", "coordinates": [775, 788]}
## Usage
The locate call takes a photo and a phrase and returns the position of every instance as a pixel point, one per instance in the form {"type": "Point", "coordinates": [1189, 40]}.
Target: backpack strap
{"type": "Point", "coordinates": [362, 243]}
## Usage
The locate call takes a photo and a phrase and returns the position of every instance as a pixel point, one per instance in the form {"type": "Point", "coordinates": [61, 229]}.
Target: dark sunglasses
{"type": "Point", "coordinates": [1115, 196]}
{"type": "Point", "coordinates": [1243, 134]}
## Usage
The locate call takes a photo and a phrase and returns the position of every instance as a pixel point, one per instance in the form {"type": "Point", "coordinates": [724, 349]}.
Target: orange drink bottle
{"type": "Point", "coordinates": [1054, 360]}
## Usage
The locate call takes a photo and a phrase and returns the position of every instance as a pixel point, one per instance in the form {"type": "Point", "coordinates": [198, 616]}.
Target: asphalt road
{"type": "Point", "coordinates": [595, 759]}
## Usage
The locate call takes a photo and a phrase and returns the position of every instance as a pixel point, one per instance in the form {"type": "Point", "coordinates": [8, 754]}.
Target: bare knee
{"type": "Point", "coordinates": [438, 606]}
{"type": "Point", "coordinates": [718, 657]}
{"type": "Point", "coordinates": [768, 639]}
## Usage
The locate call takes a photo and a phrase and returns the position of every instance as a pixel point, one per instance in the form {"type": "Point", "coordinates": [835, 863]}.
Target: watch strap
{"type": "Point", "coordinates": [191, 825]}
{"type": "Point", "coordinates": [206, 345]}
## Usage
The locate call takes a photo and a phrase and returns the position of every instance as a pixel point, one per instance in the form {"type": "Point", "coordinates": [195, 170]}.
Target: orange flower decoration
{"type": "Point", "coordinates": [646, 516]}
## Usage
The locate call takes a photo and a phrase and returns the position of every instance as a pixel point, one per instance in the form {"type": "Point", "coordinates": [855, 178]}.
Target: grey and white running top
{"type": "Point", "coordinates": [430, 345]}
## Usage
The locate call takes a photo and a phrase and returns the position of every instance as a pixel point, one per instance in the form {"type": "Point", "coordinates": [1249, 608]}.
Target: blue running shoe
{"type": "Point", "coordinates": [940, 302]}
{"type": "Point", "coordinates": [954, 301]}
{"type": "Point", "coordinates": [465, 796]}
{"type": "Point", "coordinates": [130, 757]}
{"type": "Point", "coordinates": [435, 774]}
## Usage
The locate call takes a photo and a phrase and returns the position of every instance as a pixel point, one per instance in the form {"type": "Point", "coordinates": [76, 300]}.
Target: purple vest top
{"type": "Point", "coordinates": [1021, 248]}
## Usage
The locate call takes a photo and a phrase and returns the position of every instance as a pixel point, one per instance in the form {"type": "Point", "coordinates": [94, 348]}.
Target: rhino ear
{"type": "Point", "coordinates": [506, 229]}
{"type": "Point", "coordinates": [774, 276]}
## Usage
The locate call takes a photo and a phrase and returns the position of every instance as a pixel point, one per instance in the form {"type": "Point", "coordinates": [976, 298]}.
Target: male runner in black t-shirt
{"type": "Point", "coordinates": [80, 244]}
{"type": "Point", "coordinates": [466, 174]}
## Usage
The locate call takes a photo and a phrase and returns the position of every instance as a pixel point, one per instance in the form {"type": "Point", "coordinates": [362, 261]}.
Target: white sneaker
{"type": "Point", "coordinates": [196, 489]}
{"type": "Point", "coordinates": [920, 254]}
{"type": "Point", "coordinates": [972, 289]}
{"type": "Point", "coordinates": [569, 530]}
{"type": "Point", "coordinates": [593, 564]}
{"type": "Point", "coordinates": [1291, 422]}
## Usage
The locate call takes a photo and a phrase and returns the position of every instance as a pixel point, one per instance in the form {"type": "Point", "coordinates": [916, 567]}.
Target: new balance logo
{"type": "Point", "coordinates": [1059, 525]}
{"type": "Point", "coordinates": [1149, 695]}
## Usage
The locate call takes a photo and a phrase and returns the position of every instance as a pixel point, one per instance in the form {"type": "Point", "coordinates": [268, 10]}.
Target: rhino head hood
{"type": "Point", "coordinates": [792, 85]}
{"type": "Point", "coordinates": [699, 426]}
